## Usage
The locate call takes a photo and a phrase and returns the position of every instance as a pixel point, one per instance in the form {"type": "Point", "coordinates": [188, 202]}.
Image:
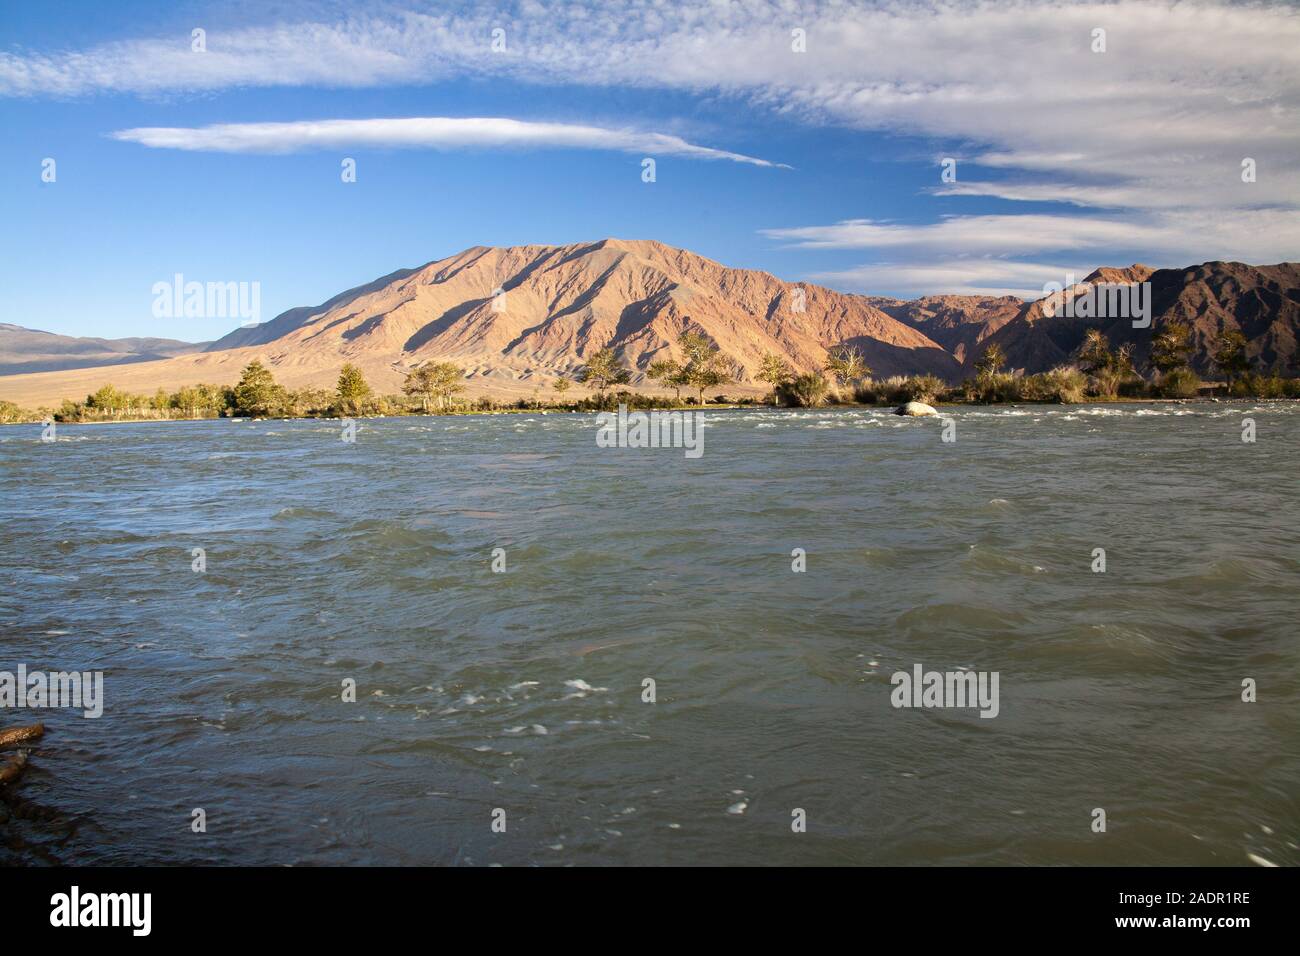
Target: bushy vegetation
{"type": "Point", "coordinates": [808, 390]}
{"type": "Point", "coordinates": [899, 389]}
{"type": "Point", "coordinates": [1253, 385]}
{"type": "Point", "coordinates": [1099, 373]}
{"type": "Point", "coordinates": [1178, 383]}
{"type": "Point", "coordinates": [11, 413]}
{"type": "Point", "coordinates": [1063, 385]}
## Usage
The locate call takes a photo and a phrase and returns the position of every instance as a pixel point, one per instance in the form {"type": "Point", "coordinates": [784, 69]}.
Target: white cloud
{"type": "Point", "coordinates": [1154, 130]}
{"type": "Point", "coordinates": [992, 277]}
{"type": "Point", "coordinates": [430, 132]}
{"type": "Point", "coordinates": [977, 254]}
{"type": "Point", "coordinates": [984, 235]}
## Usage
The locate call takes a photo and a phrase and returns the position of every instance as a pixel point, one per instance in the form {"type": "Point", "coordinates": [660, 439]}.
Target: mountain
{"type": "Point", "coordinates": [1263, 302]}
{"type": "Point", "coordinates": [959, 323]}
{"type": "Point", "coordinates": [515, 318]}
{"type": "Point", "coordinates": [31, 350]}
{"type": "Point", "coordinates": [560, 304]}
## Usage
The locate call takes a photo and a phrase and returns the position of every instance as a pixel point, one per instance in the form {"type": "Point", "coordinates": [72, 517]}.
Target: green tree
{"type": "Point", "coordinates": [352, 391]}
{"type": "Point", "coordinates": [846, 365]}
{"type": "Point", "coordinates": [991, 382]}
{"type": "Point", "coordinates": [188, 400]}
{"type": "Point", "coordinates": [667, 373]}
{"type": "Point", "coordinates": [215, 398]}
{"type": "Point", "coordinates": [109, 400]}
{"type": "Point", "coordinates": [604, 369]}
{"type": "Point", "coordinates": [703, 368]}
{"type": "Point", "coordinates": [775, 371]}
{"type": "Point", "coordinates": [1230, 356]}
{"type": "Point", "coordinates": [434, 380]}
{"type": "Point", "coordinates": [561, 386]}
{"type": "Point", "coordinates": [1171, 347]}
{"type": "Point", "coordinates": [991, 363]}
{"type": "Point", "coordinates": [1094, 352]}
{"type": "Point", "coordinates": [257, 394]}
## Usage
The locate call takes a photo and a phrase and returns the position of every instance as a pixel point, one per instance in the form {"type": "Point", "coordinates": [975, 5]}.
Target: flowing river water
{"type": "Point", "coordinates": [520, 695]}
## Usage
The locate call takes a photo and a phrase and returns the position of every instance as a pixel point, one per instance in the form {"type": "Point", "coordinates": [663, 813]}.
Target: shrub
{"type": "Point", "coordinates": [804, 391]}
{"type": "Point", "coordinates": [1134, 387]}
{"type": "Point", "coordinates": [884, 391]}
{"type": "Point", "coordinates": [1179, 383]}
{"type": "Point", "coordinates": [1064, 385]}
{"type": "Point", "coordinates": [10, 413]}
{"type": "Point", "coordinates": [1255, 385]}
{"type": "Point", "coordinates": [991, 387]}
{"type": "Point", "coordinates": [924, 388]}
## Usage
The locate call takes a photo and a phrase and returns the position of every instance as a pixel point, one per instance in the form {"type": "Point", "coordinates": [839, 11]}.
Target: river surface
{"type": "Point", "coordinates": [520, 695]}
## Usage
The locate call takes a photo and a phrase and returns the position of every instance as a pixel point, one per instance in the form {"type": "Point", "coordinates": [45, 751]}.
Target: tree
{"type": "Point", "coordinates": [775, 371]}
{"type": "Point", "coordinates": [668, 373]}
{"type": "Point", "coordinates": [1094, 352]}
{"type": "Point", "coordinates": [188, 399]}
{"type": "Point", "coordinates": [257, 393]}
{"type": "Point", "coordinates": [439, 380]}
{"type": "Point", "coordinates": [1230, 356]}
{"type": "Point", "coordinates": [991, 362]}
{"type": "Point", "coordinates": [561, 386]}
{"type": "Point", "coordinates": [353, 390]}
{"type": "Point", "coordinates": [703, 368]}
{"type": "Point", "coordinates": [215, 398]}
{"type": "Point", "coordinates": [108, 399]}
{"type": "Point", "coordinates": [603, 370]}
{"type": "Point", "coordinates": [846, 364]}
{"type": "Point", "coordinates": [1171, 347]}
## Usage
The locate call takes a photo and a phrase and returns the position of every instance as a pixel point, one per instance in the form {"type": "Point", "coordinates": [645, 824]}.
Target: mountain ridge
{"type": "Point", "coordinates": [516, 317]}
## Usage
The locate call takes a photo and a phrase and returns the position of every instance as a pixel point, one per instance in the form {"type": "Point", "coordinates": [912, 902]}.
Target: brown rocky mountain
{"type": "Point", "coordinates": [1263, 302]}
{"type": "Point", "coordinates": [557, 305]}
{"type": "Point", "coordinates": [31, 350]}
{"type": "Point", "coordinates": [959, 323]}
{"type": "Point", "coordinates": [516, 318]}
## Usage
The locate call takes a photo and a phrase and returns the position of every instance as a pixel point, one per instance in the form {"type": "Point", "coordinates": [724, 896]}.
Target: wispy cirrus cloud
{"type": "Point", "coordinates": [983, 255]}
{"type": "Point", "coordinates": [972, 276]}
{"type": "Point", "coordinates": [1163, 117]}
{"type": "Point", "coordinates": [1154, 129]}
{"type": "Point", "coordinates": [424, 132]}
{"type": "Point", "coordinates": [983, 235]}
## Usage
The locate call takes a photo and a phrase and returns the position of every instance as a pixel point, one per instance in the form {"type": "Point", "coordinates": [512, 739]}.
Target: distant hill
{"type": "Point", "coordinates": [31, 350]}
{"type": "Point", "coordinates": [560, 304]}
{"type": "Point", "coordinates": [1263, 302]}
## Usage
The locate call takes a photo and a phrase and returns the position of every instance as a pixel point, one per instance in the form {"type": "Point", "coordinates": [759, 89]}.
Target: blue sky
{"type": "Point", "coordinates": [861, 120]}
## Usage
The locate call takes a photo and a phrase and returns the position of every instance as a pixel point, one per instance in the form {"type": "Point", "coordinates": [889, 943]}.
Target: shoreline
{"type": "Point", "coordinates": [749, 406]}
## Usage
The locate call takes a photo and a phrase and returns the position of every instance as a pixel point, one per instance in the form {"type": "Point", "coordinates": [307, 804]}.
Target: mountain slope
{"type": "Point", "coordinates": [959, 323]}
{"type": "Point", "coordinates": [515, 318]}
{"type": "Point", "coordinates": [31, 350]}
{"type": "Point", "coordinates": [560, 304]}
{"type": "Point", "coordinates": [1263, 302]}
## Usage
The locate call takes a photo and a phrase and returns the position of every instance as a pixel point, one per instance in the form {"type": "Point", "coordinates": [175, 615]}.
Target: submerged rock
{"type": "Point", "coordinates": [916, 409]}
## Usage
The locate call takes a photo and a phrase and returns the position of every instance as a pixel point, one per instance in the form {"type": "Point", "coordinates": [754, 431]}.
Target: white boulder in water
{"type": "Point", "coordinates": [916, 409]}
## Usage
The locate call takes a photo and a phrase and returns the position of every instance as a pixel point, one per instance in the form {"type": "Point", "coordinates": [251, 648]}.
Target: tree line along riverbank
{"type": "Point", "coordinates": [1098, 374]}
